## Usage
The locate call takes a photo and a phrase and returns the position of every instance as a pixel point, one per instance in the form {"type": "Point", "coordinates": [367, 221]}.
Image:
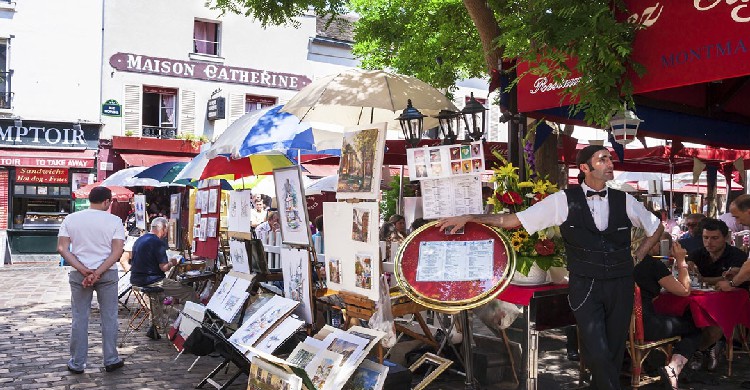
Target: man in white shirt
{"type": "Point", "coordinates": [595, 223]}
{"type": "Point", "coordinates": [258, 214]}
{"type": "Point", "coordinates": [92, 241]}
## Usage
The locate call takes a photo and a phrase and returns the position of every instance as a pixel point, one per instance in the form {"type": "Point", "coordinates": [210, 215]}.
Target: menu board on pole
{"type": "Point", "coordinates": [448, 197]}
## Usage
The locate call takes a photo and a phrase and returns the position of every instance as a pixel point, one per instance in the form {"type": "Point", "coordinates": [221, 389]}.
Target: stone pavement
{"type": "Point", "coordinates": [35, 319]}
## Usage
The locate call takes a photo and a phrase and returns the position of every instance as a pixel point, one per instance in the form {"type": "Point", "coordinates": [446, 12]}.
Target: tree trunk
{"type": "Point", "coordinates": [489, 31]}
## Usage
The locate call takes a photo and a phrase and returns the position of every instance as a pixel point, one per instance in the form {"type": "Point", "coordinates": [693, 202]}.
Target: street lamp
{"type": "Point", "coordinates": [449, 120]}
{"type": "Point", "coordinates": [411, 124]}
{"type": "Point", "coordinates": [473, 113]}
{"type": "Point", "coordinates": [624, 126]}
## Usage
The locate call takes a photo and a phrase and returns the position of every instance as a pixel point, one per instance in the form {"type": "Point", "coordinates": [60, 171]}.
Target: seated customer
{"type": "Point", "coordinates": [149, 264]}
{"type": "Point", "coordinates": [652, 275]}
{"type": "Point", "coordinates": [716, 258]}
{"type": "Point", "coordinates": [691, 240]}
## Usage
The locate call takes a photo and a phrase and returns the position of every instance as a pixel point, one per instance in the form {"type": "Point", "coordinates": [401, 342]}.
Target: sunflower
{"type": "Point", "coordinates": [517, 243]}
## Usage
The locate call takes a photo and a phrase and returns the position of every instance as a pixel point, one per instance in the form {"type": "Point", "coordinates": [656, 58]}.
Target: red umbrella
{"type": "Point", "coordinates": [121, 194]}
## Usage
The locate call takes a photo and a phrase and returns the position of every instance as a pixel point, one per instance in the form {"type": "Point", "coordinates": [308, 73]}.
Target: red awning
{"type": "Point", "coordinates": [49, 159]}
{"type": "Point", "coordinates": [148, 160]}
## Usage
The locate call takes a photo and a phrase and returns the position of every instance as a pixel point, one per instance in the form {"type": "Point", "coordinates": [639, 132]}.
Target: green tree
{"type": "Point", "coordinates": [440, 41]}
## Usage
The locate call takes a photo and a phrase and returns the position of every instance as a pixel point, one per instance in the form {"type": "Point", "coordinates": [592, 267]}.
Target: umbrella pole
{"type": "Point", "coordinates": [671, 188]}
{"type": "Point", "coordinates": [400, 204]}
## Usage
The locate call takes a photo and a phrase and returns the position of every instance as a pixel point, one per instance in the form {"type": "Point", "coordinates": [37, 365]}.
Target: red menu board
{"type": "Point", "coordinates": [445, 280]}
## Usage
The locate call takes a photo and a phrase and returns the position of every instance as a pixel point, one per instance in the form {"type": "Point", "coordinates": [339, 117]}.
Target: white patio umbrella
{"type": "Point", "coordinates": [118, 178]}
{"type": "Point", "coordinates": [358, 96]}
{"type": "Point", "coordinates": [327, 183]}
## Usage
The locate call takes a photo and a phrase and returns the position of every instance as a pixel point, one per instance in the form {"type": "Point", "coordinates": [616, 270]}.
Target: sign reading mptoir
{"type": "Point", "coordinates": [129, 62]}
{"type": "Point", "coordinates": [42, 175]}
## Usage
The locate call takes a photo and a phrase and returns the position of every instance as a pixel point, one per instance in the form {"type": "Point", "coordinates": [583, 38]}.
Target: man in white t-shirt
{"type": "Point", "coordinates": [92, 241]}
{"type": "Point", "coordinates": [258, 214]}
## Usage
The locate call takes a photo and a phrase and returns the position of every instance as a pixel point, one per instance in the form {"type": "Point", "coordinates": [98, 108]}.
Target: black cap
{"type": "Point", "coordinates": [585, 154]}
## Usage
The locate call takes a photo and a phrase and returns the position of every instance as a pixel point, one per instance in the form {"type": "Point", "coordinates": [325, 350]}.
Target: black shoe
{"type": "Point", "coordinates": [153, 333]}
{"type": "Point", "coordinates": [73, 370]}
{"type": "Point", "coordinates": [114, 366]}
{"type": "Point", "coordinates": [573, 356]}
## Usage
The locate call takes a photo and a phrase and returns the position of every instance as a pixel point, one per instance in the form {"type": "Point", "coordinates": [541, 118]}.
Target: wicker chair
{"type": "Point", "coordinates": [639, 348]}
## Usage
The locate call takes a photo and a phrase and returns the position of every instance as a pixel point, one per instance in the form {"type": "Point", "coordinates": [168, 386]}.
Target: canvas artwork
{"type": "Point", "coordinates": [353, 349]}
{"type": "Point", "coordinates": [292, 206]}
{"type": "Point", "coordinates": [191, 317]}
{"type": "Point", "coordinates": [228, 298]}
{"type": "Point", "coordinates": [174, 206]}
{"type": "Point", "coordinates": [322, 369]}
{"type": "Point", "coordinates": [351, 265]}
{"type": "Point", "coordinates": [363, 270]}
{"type": "Point", "coordinates": [261, 321]}
{"type": "Point", "coordinates": [279, 334]}
{"type": "Point", "coordinates": [140, 211]}
{"type": "Point", "coordinates": [302, 355]}
{"type": "Point", "coordinates": [172, 233]}
{"type": "Point", "coordinates": [361, 160]}
{"type": "Point", "coordinates": [233, 211]}
{"type": "Point", "coordinates": [360, 224]}
{"type": "Point", "coordinates": [372, 335]}
{"type": "Point", "coordinates": [368, 376]}
{"type": "Point", "coordinates": [245, 205]}
{"type": "Point", "coordinates": [212, 227]}
{"type": "Point", "coordinates": [238, 256]}
{"type": "Point", "coordinates": [203, 229]}
{"type": "Point", "coordinates": [266, 376]}
{"type": "Point", "coordinates": [295, 267]}
{"type": "Point", "coordinates": [204, 201]}
{"type": "Point", "coordinates": [334, 270]}
{"type": "Point", "coordinates": [213, 200]}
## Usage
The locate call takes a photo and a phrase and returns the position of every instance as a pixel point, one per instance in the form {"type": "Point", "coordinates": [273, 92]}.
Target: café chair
{"type": "Point", "coordinates": [638, 348]}
{"type": "Point", "coordinates": [739, 333]}
{"type": "Point", "coordinates": [149, 300]}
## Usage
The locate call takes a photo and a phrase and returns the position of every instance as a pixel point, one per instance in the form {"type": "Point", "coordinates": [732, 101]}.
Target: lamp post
{"type": "Point", "coordinates": [449, 124]}
{"type": "Point", "coordinates": [624, 126]}
{"type": "Point", "coordinates": [473, 114]}
{"type": "Point", "coordinates": [411, 121]}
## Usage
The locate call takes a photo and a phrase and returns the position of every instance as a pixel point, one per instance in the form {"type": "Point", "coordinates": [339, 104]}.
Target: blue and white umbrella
{"type": "Point", "coordinates": [266, 130]}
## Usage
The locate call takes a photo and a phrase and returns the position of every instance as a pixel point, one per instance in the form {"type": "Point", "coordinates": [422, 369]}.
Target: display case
{"type": "Point", "coordinates": [36, 220]}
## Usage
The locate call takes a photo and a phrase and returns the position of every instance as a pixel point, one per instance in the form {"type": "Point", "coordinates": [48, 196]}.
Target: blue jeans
{"type": "Point", "coordinates": [80, 303]}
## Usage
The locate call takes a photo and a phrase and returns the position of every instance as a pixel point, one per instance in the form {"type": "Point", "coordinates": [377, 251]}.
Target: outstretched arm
{"type": "Point", "coordinates": [499, 220]}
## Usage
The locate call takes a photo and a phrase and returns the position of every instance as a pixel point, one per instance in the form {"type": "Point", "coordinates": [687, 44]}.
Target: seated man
{"type": "Point", "coordinates": [149, 264]}
{"type": "Point", "coordinates": [716, 259]}
{"type": "Point", "coordinates": [692, 240]}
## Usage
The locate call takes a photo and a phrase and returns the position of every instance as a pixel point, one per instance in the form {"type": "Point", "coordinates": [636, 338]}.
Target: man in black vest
{"type": "Point", "coordinates": [595, 224]}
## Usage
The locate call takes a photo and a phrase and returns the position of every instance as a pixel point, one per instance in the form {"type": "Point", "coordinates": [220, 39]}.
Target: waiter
{"type": "Point", "coordinates": [595, 224]}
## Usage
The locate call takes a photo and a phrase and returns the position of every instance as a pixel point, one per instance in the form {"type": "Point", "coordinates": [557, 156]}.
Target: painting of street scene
{"type": "Point", "coordinates": [359, 172]}
{"type": "Point", "coordinates": [360, 225]}
{"type": "Point", "coordinates": [363, 271]}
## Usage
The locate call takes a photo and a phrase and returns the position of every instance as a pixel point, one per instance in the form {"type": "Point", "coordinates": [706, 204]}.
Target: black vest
{"type": "Point", "coordinates": [591, 252]}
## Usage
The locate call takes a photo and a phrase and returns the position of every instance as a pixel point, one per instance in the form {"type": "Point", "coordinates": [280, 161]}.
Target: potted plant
{"type": "Point", "coordinates": [535, 253]}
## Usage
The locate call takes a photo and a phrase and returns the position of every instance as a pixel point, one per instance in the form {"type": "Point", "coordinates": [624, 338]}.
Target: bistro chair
{"type": "Point", "coordinates": [639, 348]}
{"type": "Point", "coordinates": [739, 333]}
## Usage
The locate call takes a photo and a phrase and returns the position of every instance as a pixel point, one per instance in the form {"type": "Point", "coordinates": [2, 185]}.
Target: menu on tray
{"type": "Point", "coordinates": [455, 260]}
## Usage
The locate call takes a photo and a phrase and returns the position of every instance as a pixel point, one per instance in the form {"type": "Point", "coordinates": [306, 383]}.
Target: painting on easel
{"type": "Point", "coordinates": [361, 161]}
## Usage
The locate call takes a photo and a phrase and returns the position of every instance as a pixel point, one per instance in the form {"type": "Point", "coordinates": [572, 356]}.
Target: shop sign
{"type": "Point", "coordinates": [216, 108]}
{"type": "Point", "coordinates": [60, 135]}
{"type": "Point", "coordinates": [42, 175]}
{"type": "Point", "coordinates": [111, 108]}
{"type": "Point", "coordinates": [61, 162]}
{"type": "Point", "coordinates": [128, 62]}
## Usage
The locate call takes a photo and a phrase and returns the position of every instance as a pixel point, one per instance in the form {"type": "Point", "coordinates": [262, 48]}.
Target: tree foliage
{"type": "Point", "coordinates": [439, 42]}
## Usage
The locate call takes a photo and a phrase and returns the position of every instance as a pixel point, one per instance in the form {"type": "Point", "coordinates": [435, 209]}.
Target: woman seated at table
{"type": "Point", "coordinates": [651, 275]}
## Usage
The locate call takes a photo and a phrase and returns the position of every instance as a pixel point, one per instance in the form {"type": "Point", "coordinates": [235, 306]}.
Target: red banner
{"type": "Point", "coordinates": [42, 175]}
{"type": "Point", "coordinates": [3, 200]}
{"type": "Point", "coordinates": [46, 162]}
{"type": "Point", "coordinates": [682, 43]}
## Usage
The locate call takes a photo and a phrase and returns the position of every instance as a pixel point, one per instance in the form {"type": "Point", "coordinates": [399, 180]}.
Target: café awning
{"type": "Point", "coordinates": [148, 160]}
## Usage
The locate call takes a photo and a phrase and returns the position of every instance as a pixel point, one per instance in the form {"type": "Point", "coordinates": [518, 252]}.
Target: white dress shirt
{"type": "Point", "coordinates": [553, 211]}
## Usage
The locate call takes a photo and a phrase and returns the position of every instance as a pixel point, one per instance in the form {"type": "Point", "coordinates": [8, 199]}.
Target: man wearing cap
{"type": "Point", "coordinates": [595, 223]}
{"type": "Point", "coordinates": [91, 241]}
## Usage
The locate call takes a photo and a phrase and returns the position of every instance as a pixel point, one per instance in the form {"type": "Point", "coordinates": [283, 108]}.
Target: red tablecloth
{"type": "Point", "coordinates": [521, 295]}
{"type": "Point", "coordinates": [709, 308]}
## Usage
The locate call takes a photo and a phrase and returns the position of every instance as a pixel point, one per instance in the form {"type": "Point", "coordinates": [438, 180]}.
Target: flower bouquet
{"type": "Point", "coordinates": [544, 248]}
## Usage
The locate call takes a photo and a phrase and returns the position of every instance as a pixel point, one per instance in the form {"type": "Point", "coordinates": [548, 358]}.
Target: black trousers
{"type": "Point", "coordinates": [602, 308]}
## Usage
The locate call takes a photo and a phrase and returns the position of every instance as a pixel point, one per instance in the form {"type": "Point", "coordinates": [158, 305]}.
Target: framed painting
{"type": "Point", "coordinates": [292, 204]}
{"type": "Point", "coordinates": [361, 162]}
{"type": "Point", "coordinates": [174, 206]}
{"type": "Point", "coordinates": [440, 364]}
{"type": "Point", "coordinates": [172, 233]}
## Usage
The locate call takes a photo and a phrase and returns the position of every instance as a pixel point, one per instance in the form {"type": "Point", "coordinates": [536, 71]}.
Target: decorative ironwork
{"type": "Point", "coordinates": [159, 132]}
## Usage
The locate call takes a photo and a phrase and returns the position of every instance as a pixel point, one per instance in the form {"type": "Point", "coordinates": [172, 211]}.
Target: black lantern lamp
{"type": "Point", "coordinates": [449, 124]}
{"type": "Point", "coordinates": [411, 124]}
{"type": "Point", "coordinates": [473, 114]}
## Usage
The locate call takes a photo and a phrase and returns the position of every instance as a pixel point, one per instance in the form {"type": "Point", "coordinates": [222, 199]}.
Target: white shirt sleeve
{"type": "Point", "coordinates": [640, 216]}
{"type": "Point", "coordinates": [551, 211]}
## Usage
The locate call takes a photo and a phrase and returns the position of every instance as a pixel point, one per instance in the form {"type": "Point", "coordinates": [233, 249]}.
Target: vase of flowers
{"type": "Point", "coordinates": [535, 253]}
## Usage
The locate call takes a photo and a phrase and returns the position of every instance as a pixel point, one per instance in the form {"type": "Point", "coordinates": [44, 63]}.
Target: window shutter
{"type": "Point", "coordinates": [187, 112]}
{"type": "Point", "coordinates": [236, 106]}
{"type": "Point", "coordinates": [131, 110]}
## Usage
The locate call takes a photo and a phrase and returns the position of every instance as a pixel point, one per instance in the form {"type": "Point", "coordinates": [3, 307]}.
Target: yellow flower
{"type": "Point", "coordinates": [516, 244]}
{"type": "Point", "coordinates": [523, 234]}
{"type": "Point", "coordinates": [507, 170]}
{"type": "Point", "coordinates": [551, 188]}
{"type": "Point", "coordinates": [540, 187]}
{"type": "Point", "coordinates": [525, 184]}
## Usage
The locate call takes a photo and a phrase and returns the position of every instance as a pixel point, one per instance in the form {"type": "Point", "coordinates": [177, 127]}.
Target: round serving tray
{"type": "Point", "coordinates": [454, 295]}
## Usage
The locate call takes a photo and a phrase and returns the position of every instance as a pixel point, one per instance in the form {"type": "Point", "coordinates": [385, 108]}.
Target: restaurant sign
{"type": "Point", "coordinates": [55, 135]}
{"type": "Point", "coordinates": [128, 62]}
{"type": "Point", "coordinates": [42, 175]}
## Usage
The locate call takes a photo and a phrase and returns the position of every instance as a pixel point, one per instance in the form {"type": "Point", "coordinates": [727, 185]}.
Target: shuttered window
{"type": "Point", "coordinates": [187, 112]}
{"type": "Point", "coordinates": [131, 113]}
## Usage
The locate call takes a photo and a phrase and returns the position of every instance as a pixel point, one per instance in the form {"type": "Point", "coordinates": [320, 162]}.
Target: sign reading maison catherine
{"type": "Point", "coordinates": [128, 62]}
{"type": "Point", "coordinates": [53, 135]}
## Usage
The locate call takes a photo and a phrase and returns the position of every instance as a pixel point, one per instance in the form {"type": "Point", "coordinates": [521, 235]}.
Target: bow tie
{"type": "Point", "coordinates": [600, 193]}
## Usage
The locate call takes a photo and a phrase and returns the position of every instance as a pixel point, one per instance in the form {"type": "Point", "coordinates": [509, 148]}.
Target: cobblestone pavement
{"type": "Point", "coordinates": [35, 322]}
